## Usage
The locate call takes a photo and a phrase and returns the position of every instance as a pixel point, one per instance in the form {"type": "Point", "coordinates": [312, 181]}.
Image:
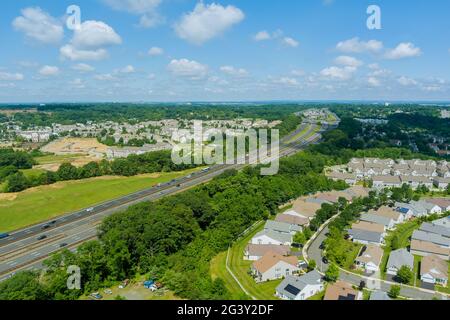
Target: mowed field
{"type": "Point", "coordinates": [46, 202]}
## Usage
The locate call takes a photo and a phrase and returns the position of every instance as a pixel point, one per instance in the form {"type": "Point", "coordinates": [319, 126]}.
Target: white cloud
{"type": "Point", "coordinates": [95, 34]}
{"type": "Point", "coordinates": [338, 73]}
{"type": "Point", "coordinates": [147, 9]}
{"type": "Point", "coordinates": [188, 68]}
{"type": "Point", "coordinates": [38, 25]}
{"type": "Point", "coordinates": [403, 50]}
{"type": "Point", "coordinates": [127, 69]}
{"type": "Point", "coordinates": [207, 22]}
{"type": "Point", "coordinates": [262, 36]}
{"type": "Point", "coordinates": [287, 81]}
{"type": "Point", "coordinates": [232, 71]}
{"type": "Point", "coordinates": [298, 73]}
{"type": "Point", "coordinates": [405, 81]}
{"type": "Point", "coordinates": [74, 54]}
{"type": "Point", "coordinates": [155, 51]}
{"type": "Point", "coordinates": [83, 67]}
{"type": "Point", "coordinates": [77, 83]}
{"type": "Point", "coordinates": [290, 42]}
{"type": "Point", "coordinates": [373, 82]}
{"type": "Point", "coordinates": [49, 71]}
{"type": "Point", "coordinates": [354, 45]}
{"type": "Point", "coordinates": [6, 76]}
{"type": "Point", "coordinates": [348, 61]}
{"type": "Point", "coordinates": [105, 77]}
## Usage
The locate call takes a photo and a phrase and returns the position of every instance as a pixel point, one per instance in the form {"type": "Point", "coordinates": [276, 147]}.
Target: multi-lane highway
{"type": "Point", "coordinates": [27, 248]}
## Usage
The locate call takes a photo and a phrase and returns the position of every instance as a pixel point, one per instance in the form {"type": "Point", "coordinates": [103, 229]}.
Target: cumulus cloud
{"type": "Point", "coordinates": [127, 69]}
{"type": "Point", "coordinates": [206, 22]}
{"type": "Point", "coordinates": [49, 71]}
{"type": "Point", "coordinates": [39, 26]}
{"type": "Point", "coordinates": [403, 50]}
{"type": "Point", "coordinates": [74, 54]}
{"type": "Point", "coordinates": [405, 81]}
{"type": "Point", "coordinates": [83, 67]}
{"type": "Point", "coordinates": [355, 45]}
{"type": "Point", "coordinates": [373, 82]}
{"type": "Point", "coordinates": [6, 76]}
{"type": "Point", "coordinates": [348, 61]}
{"type": "Point", "coordinates": [88, 42]}
{"type": "Point", "coordinates": [291, 42]}
{"type": "Point", "coordinates": [147, 9]}
{"type": "Point", "coordinates": [188, 68]}
{"type": "Point", "coordinates": [287, 81]}
{"type": "Point", "coordinates": [105, 77]}
{"type": "Point", "coordinates": [232, 71]}
{"type": "Point", "coordinates": [155, 51]}
{"type": "Point", "coordinates": [262, 36]}
{"type": "Point", "coordinates": [338, 73]}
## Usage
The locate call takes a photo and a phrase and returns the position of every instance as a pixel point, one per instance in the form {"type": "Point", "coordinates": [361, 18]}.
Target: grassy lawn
{"type": "Point", "coordinates": [46, 202]}
{"type": "Point", "coordinates": [352, 250]}
{"type": "Point", "coordinates": [50, 159]}
{"type": "Point", "coordinates": [416, 271]}
{"type": "Point", "coordinates": [218, 270]}
{"type": "Point", "coordinates": [30, 173]}
{"type": "Point", "coordinates": [240, 268]}
{"type": "Point", "coordinates": [404, 232]}
{"type": "Point", "coordinates": [444, 289]}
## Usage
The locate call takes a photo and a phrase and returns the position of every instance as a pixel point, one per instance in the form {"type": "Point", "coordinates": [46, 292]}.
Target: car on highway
{"type": "Point", "coordinates": [42, 237]}
{"type": "Point", "coordinates": [45, 226]}
{"type": "Point", "coordinates": [89, 209]}
{"type": "Point", "coordinates": [4, 235]}
{"type": "Point", "coordinates": [62, 245]}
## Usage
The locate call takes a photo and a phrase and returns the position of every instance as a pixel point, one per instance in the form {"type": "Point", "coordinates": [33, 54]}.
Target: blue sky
{"type": "Point", "coordinates": [183, 50]}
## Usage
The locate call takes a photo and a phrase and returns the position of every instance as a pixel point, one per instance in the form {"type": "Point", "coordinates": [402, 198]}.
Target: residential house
{"type": "Point", "coordinates": [431, 237]}
{"type": "Point", "coordinates": [342, 291]}
{"type": "Point", "coordinates": [434, 270]}
{"type": "Point", "coordinates": [415, 181]}
{"type": "Point", "coordinates": [413, 209]}
{"type": "Point", "coordinates": [387, 222]}
{"type": "Point", "coordinates": [366, 237]}
{"type": "Point", "coordinates": [369, 226]}
{"type": "Point", "coordinates": [436, 229]}
{"type": "Point", "coordinates": [388, 212]}
{"type": "Point", "coordinates": [426, 248]}
{"type": "Point", "coordinates": [272, 237]}
{"type": "Point", "coordinates": [273, 266]}
{"type": "Point", "coordinates": [441, 182]}
{"type": "Point", "coordinates": [349, 178]}
{"type": "Point", "coordinates": [398, 259]}
{"type": "Point", "coordinates": [444, 204]}
{"type": "Point", "coordinates": [282, 227]}
{"type": "Point", "coordinates": [292, 219]}
{"type": "Point", "coordinates": [306, 209]}
{"type": "Point", "coordinates": [429, 206]}
{"type": "Point", "coordinates": [300, 288]}
{"type": "Point", "coordinates": [386, 181]}
{"type": "Point", "coordinates": [443, 222]}
{"type": "Point", "coordinates": [254, 252]}
{"type": "Point", "coordinates": [370, 258]}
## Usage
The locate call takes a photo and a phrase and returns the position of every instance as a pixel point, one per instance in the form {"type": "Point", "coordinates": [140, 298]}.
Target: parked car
{"type": "Point", "coordinates": [148, 284]}
{"type": "Point", "coordinates": [42, 237]}
{"type": "Point", "coordinates": [124, 284]}
{"type": "Point", "coordinates": [325, 260]}
{"type": "Point", "coordinates": [108, 292]}
{"type": "Point", "coordinates": [322, 246]}
{"type": "Point", "coordinates": [97, 296]}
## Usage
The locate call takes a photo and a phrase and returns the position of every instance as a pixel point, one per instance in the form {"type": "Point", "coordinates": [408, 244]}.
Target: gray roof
{"type": "Point", "coordinates": [416, 208]}
{"type": "Point", "coordinates": [444, 222]}
{"type": "Point", "coordinates": [292, 285]}
{"type": "Point", "coordinates": [282, 237]}
{"type": "Point", "coordinates": [431, 237]}
{"type": "Point", "coordinates": [319, 201]}
{"type": "Point", "coordinates": [385, 221]}
{"type": "Point", "coordinates": [364, 235]}
{"type": "Point", "coordinates": [282, 227]}
{"type": "Point", "coordinates": [399, 258]}
{"type": "Point", "coordinates": [432, 228]}
{"type": "Point", "coordinates": [426, 205]}
{"type": "Point", "coordinates": [379, 295]}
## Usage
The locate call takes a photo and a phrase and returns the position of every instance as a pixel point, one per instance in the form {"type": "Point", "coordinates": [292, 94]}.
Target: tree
{"type": "Point", "coordinates": [394, 292]}
{"type": "Point", "coordinates": [312, 265]}
{"type": "Point", "coordinates": [332, 274]}
{"type": "Point", "coordinates": [16, 182]}
{"type": "Point", "coordinates": [67, 172]}
{"type": "Point", "coordinates": [300, 238]}
{"type": "Point", "coordinates": [23, 286]}
{"type": "Point", "coordinates": [404, 275]}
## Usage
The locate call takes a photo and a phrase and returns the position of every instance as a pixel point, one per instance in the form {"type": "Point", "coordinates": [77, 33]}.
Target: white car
{"type": "Point", "coordinates": [90, 209]}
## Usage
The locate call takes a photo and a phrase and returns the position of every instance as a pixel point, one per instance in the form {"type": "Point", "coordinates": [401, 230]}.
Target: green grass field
{"type": "Point", "coordinates": [46, 202]}
{"type": "Point", "coordinates": [30, 173]}
{"type": "Point", "coordinates": [298, 135]}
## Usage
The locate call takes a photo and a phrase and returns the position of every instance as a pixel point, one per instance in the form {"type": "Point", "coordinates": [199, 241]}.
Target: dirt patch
{"type": "Point", "coordinates": [75, 146]}
{"type": "Point", "coordinates": [8, 196]}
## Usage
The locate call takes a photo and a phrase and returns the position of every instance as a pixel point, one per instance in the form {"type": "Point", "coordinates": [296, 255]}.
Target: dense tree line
{"type": "Point", "coordinates": [159, 161]}
{"type": "Point", "coordinates": [173, 240]}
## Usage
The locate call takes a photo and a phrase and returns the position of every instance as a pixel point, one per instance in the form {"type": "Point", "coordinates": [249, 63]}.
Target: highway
{"type": "Point", "coordinates": [27, 248]}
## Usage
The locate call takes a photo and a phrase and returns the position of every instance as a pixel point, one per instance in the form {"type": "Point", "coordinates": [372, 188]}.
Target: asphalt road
{"type": "Point", "coordinates": [23, 251]}
{"type": "Point", "coordinates": [314, 252]}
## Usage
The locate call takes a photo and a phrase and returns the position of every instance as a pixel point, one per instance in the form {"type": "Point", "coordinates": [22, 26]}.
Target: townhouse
{"type": "Point", "coordinates": [300, 288]}
{"type": "Point", "coordinates": [273, 266]}
{"type": "Point", "coordinates": [398, 259]}
{"type": "Point", "coordinates": [369, 259]}
{"type": "Point", "coordinates": [434, 270]}
{"type": "Point", "coordinates": [254, 252]}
